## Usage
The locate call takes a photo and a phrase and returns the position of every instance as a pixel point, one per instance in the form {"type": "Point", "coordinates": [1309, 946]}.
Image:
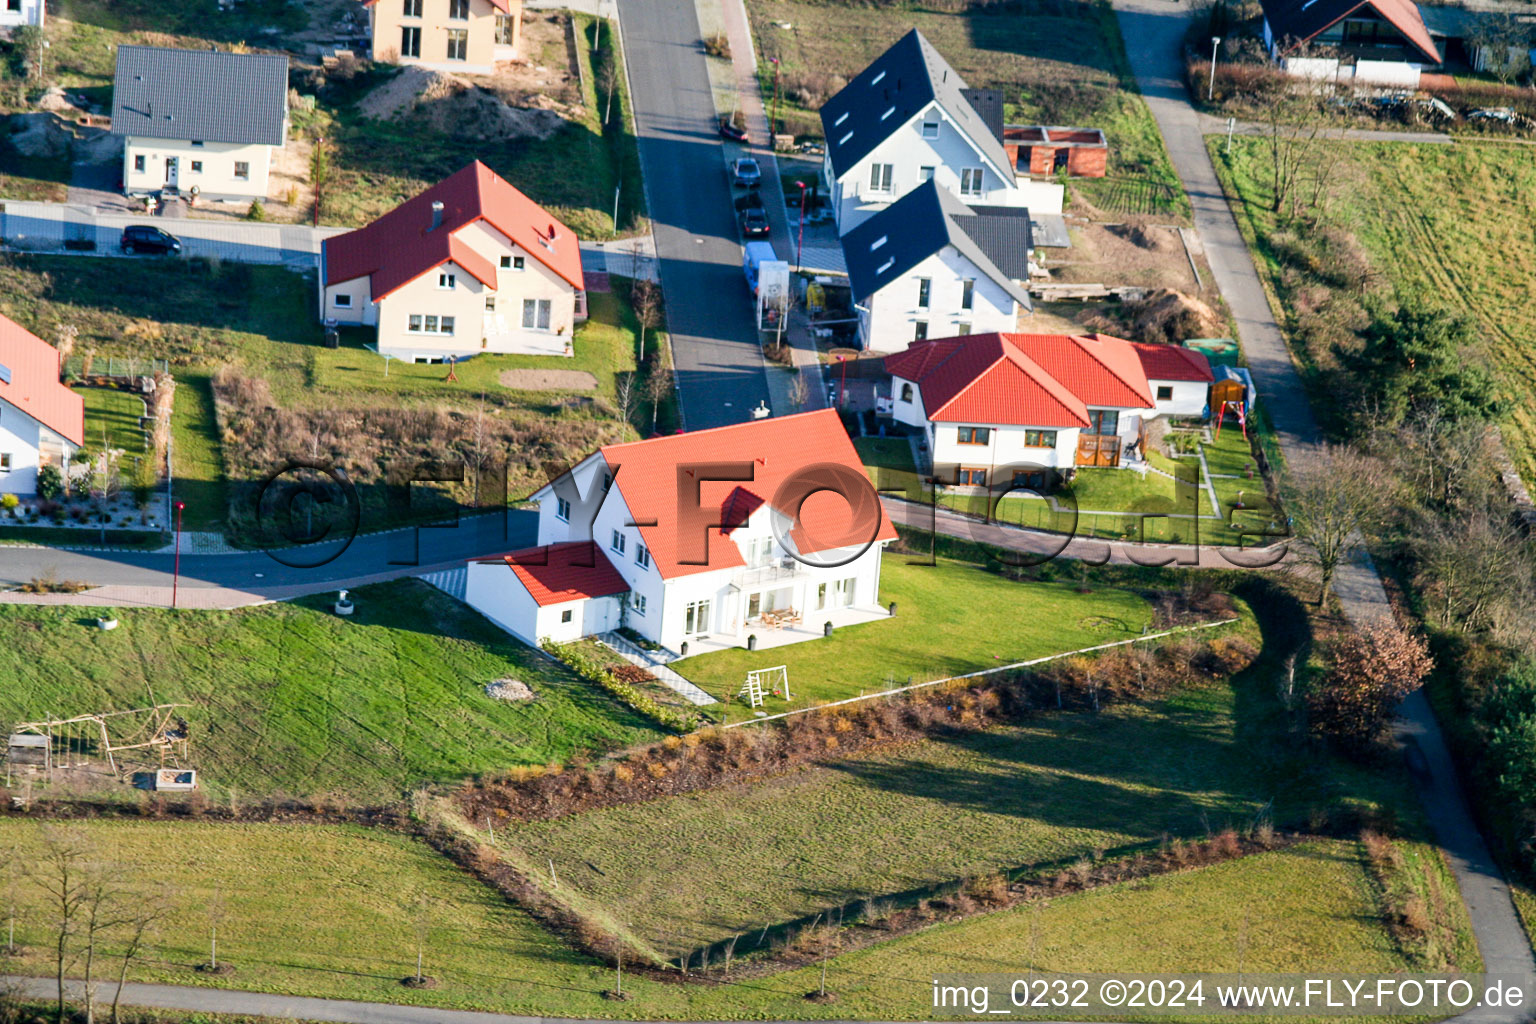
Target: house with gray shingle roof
{"type": "Point", "coordinates": [909, 118]}
{"type": "Point", "coordinates": [929, 266]}
{"type": "Point", "coordinates": [202, 122]}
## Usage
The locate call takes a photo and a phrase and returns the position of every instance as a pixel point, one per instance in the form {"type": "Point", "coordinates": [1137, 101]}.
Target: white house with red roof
{"type": "Point", "coordinates": [1019, 409]}
{"type": "Point", "coordinates": [42, 422]}
{"type": "Point", "coordinates": [471, 265]}
{"type": "Point", "coordinates": [766, 530]}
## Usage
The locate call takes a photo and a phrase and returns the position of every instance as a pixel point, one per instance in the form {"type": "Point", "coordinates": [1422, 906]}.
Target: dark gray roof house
{"type": "Point", "coordinates": [884, 248]}
{"type": "Point", "coordinates": [202, 95]}
{"type": "Point", "coordinates": [896, 88]}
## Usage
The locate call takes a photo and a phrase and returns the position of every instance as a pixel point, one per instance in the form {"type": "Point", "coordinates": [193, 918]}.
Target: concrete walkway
{"type": "Point", "coordinates": [1158, 27]}
{"type": "Point", "coordinates": [657, 666]}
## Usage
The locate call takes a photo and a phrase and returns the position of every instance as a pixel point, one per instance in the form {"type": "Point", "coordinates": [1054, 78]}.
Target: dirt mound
{"type": "Point", "coordinates": [1169, 315]}
{"type": "Point", "coordinates": [548, 380]}
{"type": "Point", "coordinates": [454, 106]}
{"type": "Point", "coordinates": [1144, 235]}
{"type": "Point", "coordinates": [508, 689]}
{"type": "Point", "coordinates": [39, 135]}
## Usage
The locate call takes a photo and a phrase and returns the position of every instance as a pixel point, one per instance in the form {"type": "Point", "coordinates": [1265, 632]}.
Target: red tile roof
{"type": "Point", "coordinates": [1172, 362]}
{"type": "Point", "coordinates": [402, 245]}
{"type": "Point", "coordinates": [1294, 22]}
{"type": "Point", "coordinates": [984, 378]}
{"type": "Point", "coordinates": [769, 453]}
{"type": "Point", "coordinates": [1033, 380]}
{"type": "Point", "coordinates": [559, 573]}
{"type": "Point", "coordinates": [35, 388]}
{"type": "Point", "coordinates": [1100, 370]}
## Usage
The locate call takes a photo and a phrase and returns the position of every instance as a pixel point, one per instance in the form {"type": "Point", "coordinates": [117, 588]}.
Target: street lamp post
{"type": "Point", "coordinates": [773, 122]}
{"type": "Point", "coordinates": [800, 245]}
{"type": "Point", "coordinates": [1210, 93]}
{"type": "Point", "coordinates": [176, 572]}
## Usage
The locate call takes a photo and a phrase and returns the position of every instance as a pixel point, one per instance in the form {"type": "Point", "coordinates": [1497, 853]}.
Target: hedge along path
{"type": "Point", "coordinates": [986, 671]}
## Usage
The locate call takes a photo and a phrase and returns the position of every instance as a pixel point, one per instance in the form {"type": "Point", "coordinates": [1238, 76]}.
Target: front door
{"type": "Point", "coordinates": [1098, 450]}
{"type": "Point", "coordinates": [172, 171]}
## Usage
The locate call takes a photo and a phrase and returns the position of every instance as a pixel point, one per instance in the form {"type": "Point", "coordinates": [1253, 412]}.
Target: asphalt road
{"type": "Point", "coordinates": [369, 557]}
{"type": "Point", "coordinates": [709, 310]}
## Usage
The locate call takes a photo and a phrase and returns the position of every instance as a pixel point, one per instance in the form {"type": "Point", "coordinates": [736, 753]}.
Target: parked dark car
{"type": "Point", "coordinates": [754, 222]}
{"type": "Point", "coordinates": [146, 239]}
{"type": "Point", "coordinates": [728, 130]}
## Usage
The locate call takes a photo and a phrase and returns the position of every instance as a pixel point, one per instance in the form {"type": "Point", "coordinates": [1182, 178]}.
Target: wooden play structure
{"type": "Point", "coordinates": [149, 740]}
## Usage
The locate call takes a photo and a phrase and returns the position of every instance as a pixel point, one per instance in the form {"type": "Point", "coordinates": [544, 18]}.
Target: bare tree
{"type": "Point", "coordinates": [1293, 134]}
{"type": "Point", "coordinates": [1474, 568]}
{"type": "Point", "coordinates": [626, 395]}
{"type": "Point", "coordinates": [60, 871]}
{"type": "Point", "coordinates": [11, 870]}
{"type": "Point", "coordinates": [148, 910]}
{"type": "Point", "coordinates": [645, 299]}
{"type": "Point", "coordinates": [218, 912]}
{"type": "Point", "coordinates": [476, 447]}
{"type": "Point", "coordinates": [64, 336]}
{"type": "Point", "coordinates": [1503, 42]}
{"type": "Point", "coordinates": [1333, 496]}
{"type": "Point", "coordinates": [106, 480]}
{"type": "Point", "coordinates": [799, 390]}
{"type": "Point", "coordinates": [106, 907]}
{"type": "Point", "coordinates": [608, 79]}
{"type": "Point", "coordinates": [658, 388]}
{"type": "Point", "coordinates": [421, 926]}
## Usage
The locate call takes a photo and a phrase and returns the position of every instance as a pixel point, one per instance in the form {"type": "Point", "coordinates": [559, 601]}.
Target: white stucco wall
{"type": "Point", "coordinates": [890, 325]}
{"type": "Point", "coordinates": [1189, 397]}
{"type": "Point", "coordinates": [31, 12]}
{"type": "Point", "coordinates": [1005, 447]}
{"type": "Point", "coordinates": [215, 180]}
{"type": "Point", "coordinates": [494, 590]}
{"type": "Point", "coordinates": [908, 153]}
{"type": "Point", "coordinates": [20, 437]}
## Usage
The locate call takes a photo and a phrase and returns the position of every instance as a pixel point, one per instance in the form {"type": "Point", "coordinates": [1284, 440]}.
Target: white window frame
{"type": "Point", "coordinates": [539, 311]}
{"type": "Point", "coordinates": [562, 509]}
{"type": "Point", "coordinates": [968, 293]}
{"type": "Point", "coordinates": [930, 129]}
{"type": "Point", "coordinates": [457, 40]}
{"type": "Point", "coordinates": [5, 462]}
{"type": "Point", "coordinates": [924, 292]}
{"type": "Point", "coordinates": [618, 542]}
{"type": "Point", "coordinates": [446, 281]}
{"type": "Point", "coordinates": [246, 176]}
{"type": "Point", "coordinates": [341, 300]}
{"type": "Point", "coordinates": [881, 177]}
{"type": "Point", "coordinates": [637, 604]}
{"type": "Point", "coordinates": [642, 556]}
{"type": "Point", "coordinates": [971, 181]}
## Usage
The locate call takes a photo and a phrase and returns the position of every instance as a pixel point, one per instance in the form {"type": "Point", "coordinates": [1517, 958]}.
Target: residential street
{"type": "Point", "coordinates": [1158, 27]}
{"type": "Point", "coordinates": [709, 310]}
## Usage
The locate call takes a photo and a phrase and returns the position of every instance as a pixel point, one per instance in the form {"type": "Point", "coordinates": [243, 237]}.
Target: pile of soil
{"type": "Point", "coordinates": [39, 135]}
{"type": "Point", "coordinates": [1169, 315]}
{"type": "Point", "coordinates": [548, 380]}
{"type": "Point", "coordinates": [452, 105]}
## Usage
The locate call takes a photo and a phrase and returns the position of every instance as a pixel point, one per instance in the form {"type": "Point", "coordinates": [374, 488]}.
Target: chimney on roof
{"type": "Point", "coordinates": [437, 214]}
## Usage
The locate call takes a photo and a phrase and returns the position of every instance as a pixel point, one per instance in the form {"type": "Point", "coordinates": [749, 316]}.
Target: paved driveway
{"type": "Point", "coordinates": [709, 310]}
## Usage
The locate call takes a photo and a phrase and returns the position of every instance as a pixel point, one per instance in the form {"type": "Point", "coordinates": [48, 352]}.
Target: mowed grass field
{"type": "Point", "coordinates": [1450, 224]}
{"type": "Point", "coordinates": [951, 617]}
{"type": "Point", "coordinates": [289, 697]}
{"type": "Point", "coordinates": [1056, 61]}
{"type": "Point", "coordinates": [332, 911]}
{"type": "Point", "coordinates": [689, 871]}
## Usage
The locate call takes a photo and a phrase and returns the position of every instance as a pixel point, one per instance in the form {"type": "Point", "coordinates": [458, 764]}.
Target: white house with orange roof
{"type": "Point", "coordinates": [1000, 410]}
{"type": "Point", "coordinates": [471, 265]}
{"type": "Point", "coordinates": [42, 422]}
{"type": "Point", "coordinates": [756, 534]}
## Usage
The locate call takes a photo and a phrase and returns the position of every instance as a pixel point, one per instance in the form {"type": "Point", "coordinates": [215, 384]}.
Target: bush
{"type": "Point", "coordinates": [592, 670]}
{"type": "Point", "coordinates": [256, 211]}
{"type": "Point", "coordinates": [50, 482]}
{"type": "Point", "coordinates": [718, 45]}
{"type": "Point", "coordinates": [1370, 672]}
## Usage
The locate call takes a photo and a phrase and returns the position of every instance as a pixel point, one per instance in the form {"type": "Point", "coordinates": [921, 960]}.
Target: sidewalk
{"type": "Point", "coordinates": [1158, 26]}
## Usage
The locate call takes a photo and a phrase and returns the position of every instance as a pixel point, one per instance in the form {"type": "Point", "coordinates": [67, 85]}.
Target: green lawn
{"type": "Point", "coordinates": [290, 697]}
{"type": "Point", "coordinates": [1448, 222]}
{"type": "Point", "coordinates": [690, 871]}
{"type": "Point", "coordinates": [330, 911]}
{"type": "Point", "coordinates": [1057, 63]}
{"type": "Point", "coordinates": [260, 320]}
{"type": "Point", "coordinates": [113, 415]}
{"type": "Point", "coordinates": [890, 465]}
{"type": "Point", "coordinates": [953, 617]}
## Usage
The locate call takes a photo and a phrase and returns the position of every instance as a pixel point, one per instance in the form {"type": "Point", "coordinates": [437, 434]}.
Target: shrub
{"type": "Point", "coordinates": [718, 45]}
{"type": "Point", "coordinates": [1370, 672]}
{"type": "Point", "coordinates": [256, 211]}
{"type": "Point", "coordinates": [9, 501]}
{"type": "Point", "coordinates": [50, 482]}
